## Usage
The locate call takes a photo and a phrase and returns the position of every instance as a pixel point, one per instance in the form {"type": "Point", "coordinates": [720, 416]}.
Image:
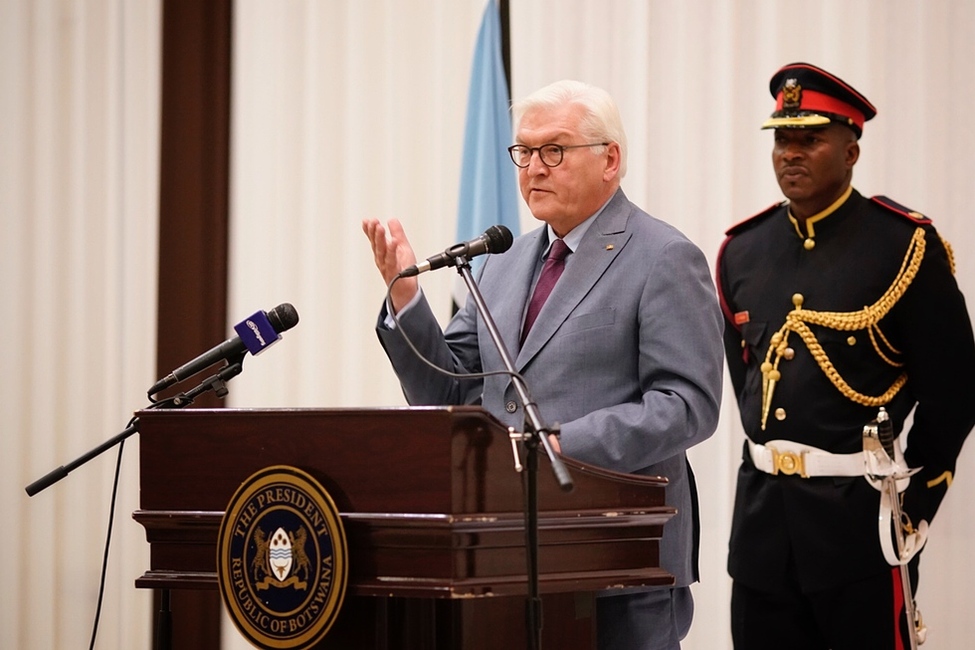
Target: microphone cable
{"type": "Point", "coordinates": [444, 371]}
{"type": "Point", "coordinates": [108, 542]}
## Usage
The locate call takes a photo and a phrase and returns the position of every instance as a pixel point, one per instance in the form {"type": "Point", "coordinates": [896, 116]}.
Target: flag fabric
{"type": "Point", "coordinates": [488, 187]}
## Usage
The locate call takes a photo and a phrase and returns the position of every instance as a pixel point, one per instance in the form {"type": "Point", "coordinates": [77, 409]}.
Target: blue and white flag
{"type": "Point", "coordinates": [488, 183]}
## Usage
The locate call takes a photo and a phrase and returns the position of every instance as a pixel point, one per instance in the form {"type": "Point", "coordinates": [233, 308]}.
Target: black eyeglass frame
{"type": "Point", "coordinates": [557, 147]}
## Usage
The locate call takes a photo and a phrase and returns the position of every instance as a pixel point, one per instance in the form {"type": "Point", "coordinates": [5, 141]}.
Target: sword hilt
{"type": "Point", "coordinates": [885, 432]}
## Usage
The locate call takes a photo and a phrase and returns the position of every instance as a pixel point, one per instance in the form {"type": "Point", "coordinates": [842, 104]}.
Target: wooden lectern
{"type": "Point", "coordinates": [433, 510]}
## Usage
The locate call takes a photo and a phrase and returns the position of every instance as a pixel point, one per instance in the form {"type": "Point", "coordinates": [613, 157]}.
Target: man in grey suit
{"type": "Point", "coordinates": [625, 354]}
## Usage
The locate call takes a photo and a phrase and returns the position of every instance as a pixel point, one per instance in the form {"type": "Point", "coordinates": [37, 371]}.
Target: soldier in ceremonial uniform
{"type": "Point", "coordinates": [836, 304]}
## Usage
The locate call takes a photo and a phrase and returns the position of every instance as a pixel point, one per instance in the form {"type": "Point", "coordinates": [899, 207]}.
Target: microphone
{"type": "Point", "coordinates": [254, 334]}
{"type": "Point", "coordinates": [496, 239]}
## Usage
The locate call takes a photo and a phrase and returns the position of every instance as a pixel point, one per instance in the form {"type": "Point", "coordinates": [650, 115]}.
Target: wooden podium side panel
{"type": "Point", "coordinates": [196, 460]}
{"type": "Point", "coordinates": [456, 461]}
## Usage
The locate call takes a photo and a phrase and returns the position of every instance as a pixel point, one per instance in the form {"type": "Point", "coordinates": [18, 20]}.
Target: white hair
{"type": "Point", "coordinates": [600, 122]}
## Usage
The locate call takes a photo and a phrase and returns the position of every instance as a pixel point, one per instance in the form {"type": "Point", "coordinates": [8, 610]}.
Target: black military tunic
{"type": "Point", "coordinates": [877, 319]}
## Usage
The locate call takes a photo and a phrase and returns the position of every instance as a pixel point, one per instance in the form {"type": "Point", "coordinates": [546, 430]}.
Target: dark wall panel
{"type": "Point", "coordinates": [193, 228]}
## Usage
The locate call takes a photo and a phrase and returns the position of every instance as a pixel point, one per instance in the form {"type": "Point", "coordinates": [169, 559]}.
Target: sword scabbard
{"type": "Point", "coordinates": [880, 433]}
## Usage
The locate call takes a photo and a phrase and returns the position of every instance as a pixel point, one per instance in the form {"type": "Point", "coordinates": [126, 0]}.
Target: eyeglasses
{"type": "Point", "coordinates": [550, 154]}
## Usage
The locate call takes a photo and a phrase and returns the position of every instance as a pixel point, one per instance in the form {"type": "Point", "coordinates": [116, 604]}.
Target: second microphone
{"type": "Point", "coordinates": [496, 239]}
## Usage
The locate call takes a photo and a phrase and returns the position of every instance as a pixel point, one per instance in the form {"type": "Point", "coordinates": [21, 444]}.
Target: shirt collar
{"type": "Point", "coordinates": [574, 238]}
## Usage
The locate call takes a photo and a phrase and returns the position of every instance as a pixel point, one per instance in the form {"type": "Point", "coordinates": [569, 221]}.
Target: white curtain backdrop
{"type": "Point", "coordinates": [79, 124]}
{"type": "Point", "coordinates": [354, 108]}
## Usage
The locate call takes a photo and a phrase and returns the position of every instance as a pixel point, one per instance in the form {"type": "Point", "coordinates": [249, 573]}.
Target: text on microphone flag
{"type": "Point", "coordinates": [256, 332]}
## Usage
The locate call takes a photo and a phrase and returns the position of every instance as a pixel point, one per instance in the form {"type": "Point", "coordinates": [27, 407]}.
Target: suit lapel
{"type": "Point", "coordinates": [517, 279]}
{"type": "Point", "coordinates": [601, 244]}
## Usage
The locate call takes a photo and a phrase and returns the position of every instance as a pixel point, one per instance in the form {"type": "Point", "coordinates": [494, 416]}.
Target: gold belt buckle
{"type": "Point", "coordinates": [788, 462]}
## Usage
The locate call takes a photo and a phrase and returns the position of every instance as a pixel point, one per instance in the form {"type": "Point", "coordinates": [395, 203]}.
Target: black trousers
{"type": "Point", "coordinates": [864, 615]}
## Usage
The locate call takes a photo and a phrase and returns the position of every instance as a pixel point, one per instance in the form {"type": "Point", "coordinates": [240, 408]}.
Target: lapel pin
{"type": "Point", "coordinates": [609, 247]}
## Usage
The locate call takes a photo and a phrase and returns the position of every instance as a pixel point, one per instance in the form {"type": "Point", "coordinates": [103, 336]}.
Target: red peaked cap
{"type": "Point", "coordinates": [807, 97]}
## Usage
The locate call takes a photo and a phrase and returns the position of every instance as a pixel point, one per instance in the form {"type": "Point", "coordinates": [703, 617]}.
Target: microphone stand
{"type": "Point", "coordinates": [218, 384]}
{"type": "Point", "coordinates": [536, 432]}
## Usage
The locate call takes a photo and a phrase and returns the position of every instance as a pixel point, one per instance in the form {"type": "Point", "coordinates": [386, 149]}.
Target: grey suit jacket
{"type": "Point", "coordinates": [626, 355]}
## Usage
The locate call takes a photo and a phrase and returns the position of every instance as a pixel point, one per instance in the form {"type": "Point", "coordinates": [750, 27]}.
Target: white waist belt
{"type": "Point", "coordinates": [787, 457]}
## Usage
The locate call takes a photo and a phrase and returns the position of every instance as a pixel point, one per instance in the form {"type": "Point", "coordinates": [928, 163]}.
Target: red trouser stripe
{"type": "Point", "coordinates": [899, 609]}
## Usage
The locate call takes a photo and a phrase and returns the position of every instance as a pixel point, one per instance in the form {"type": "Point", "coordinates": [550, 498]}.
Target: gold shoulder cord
{"type": "Point", "coordinates": [865, 319]}
{"type": "Point", "coordinates": [951, 254]}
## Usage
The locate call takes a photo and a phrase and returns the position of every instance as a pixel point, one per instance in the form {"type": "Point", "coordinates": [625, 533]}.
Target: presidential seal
{"type": "Point", "coordinates": [282, 559]}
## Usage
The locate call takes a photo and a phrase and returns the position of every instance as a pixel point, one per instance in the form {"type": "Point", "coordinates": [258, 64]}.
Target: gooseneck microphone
{"type": "Point", "coordinates": [496, 239]}
{"type": "Point", "coordinates": [254, 334]}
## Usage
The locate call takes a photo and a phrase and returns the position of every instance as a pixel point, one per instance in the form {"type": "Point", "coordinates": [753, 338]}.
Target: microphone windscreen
{"type": "Point", "coordinates": [283, 317]}
{"type": "Point", "coordinates": [499, 238]}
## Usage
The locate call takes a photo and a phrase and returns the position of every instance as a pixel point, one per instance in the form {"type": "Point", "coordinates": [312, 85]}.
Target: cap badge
{"type": "Point", "coordinates": [791, 95]}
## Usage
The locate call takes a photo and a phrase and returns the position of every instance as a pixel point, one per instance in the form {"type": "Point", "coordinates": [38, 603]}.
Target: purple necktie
{"type": "Point", "coordinates": [554, 264]}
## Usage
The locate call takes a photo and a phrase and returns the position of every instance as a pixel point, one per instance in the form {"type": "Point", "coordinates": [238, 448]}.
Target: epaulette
{"type": "Point", "coordinates": [917, 219]}
{"type": "Point", "coordinates": [729, 233]}
{"type": "Point", "coordinates": [738, 227]}
{"type": "Point", "coordinates": [897, 208]}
